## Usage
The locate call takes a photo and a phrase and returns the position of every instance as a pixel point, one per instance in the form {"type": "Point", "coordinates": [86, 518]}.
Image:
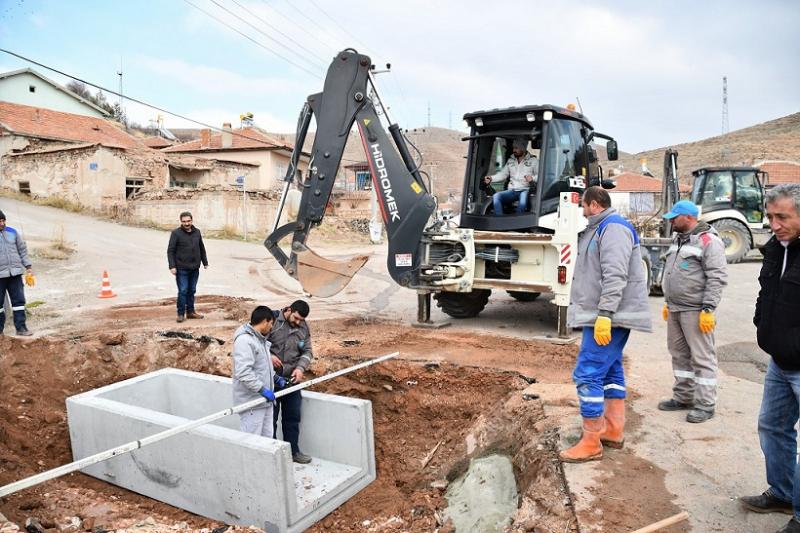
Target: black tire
{"type": "Point", "coordinates": [463, 304]}
{"type": "Point", "coordinates": [524, 296]}
{"type": "Point", "coordinates": [736, 238]}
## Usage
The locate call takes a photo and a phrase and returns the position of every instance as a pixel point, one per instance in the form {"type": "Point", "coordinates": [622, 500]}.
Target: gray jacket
{"type": "Point", "coordinates": [291, 345]}
{"type": "Point", "coordinates": [252, 365]}
{"type": "Point", "coordinates": [609, 277]}
{"type": "Point", "coordinates": [13, 253]}
{"type": "Point", "coordinates": [696, 270]}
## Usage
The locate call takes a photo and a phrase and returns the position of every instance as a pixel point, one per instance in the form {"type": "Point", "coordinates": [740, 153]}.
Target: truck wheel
{"type": "Point", "coordinates": [524, 296]}
{"type": "Point", "coordinates": [463, 304]}
{"type": "Point", "coordinates": [735, 237]}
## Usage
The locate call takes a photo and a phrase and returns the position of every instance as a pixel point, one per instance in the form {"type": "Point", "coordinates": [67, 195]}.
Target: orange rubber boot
{"type": "Point", "coordinates": [589, 447]}
{"type": "Point", "coordinates": [613, 435]}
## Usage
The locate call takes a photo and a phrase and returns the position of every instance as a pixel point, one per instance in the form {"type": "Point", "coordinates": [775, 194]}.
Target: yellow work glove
{"type": "Point", "coordinates": [665, 312]}
{"type": "Point", "coordinates": [30, 279]}
{"type": "Point", "coordinates": [707, 321]}
{"type": "Point", "coordinates": [602, 330]}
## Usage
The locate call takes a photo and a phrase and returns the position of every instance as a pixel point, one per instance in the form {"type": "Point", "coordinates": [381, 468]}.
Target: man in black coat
{"type": "Point", "coordinates": [777, 320]}
{"type": "Point", "coordinates": [185, 253]}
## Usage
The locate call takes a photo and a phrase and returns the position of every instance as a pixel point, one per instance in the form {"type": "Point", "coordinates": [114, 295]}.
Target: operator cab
{"type": "Point", "coordinates": [738, 188]}
{"type": "Point", "coordinates": [558, 139]}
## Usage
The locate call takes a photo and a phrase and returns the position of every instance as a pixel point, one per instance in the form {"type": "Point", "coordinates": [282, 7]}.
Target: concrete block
{"type": "Point", "coordinates": [215, 470]}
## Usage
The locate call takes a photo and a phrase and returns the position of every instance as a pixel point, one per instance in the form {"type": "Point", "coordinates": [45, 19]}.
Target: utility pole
{"type": "Point", "coordinates": [725, 125]}
{"type": "Point", "coordinates": [429, 113]}
{"type": "Point", "coordinates": [119, 73]}
{"type": "Point", "coordinates": [450, 120]}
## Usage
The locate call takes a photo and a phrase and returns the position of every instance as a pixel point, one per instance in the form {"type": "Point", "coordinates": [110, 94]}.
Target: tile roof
{"type": "Point", "coordinates": [241, 139]}
{"type": "Point", "coordinates": [781, 171]}
{"type": "Point", "coordinates": [632, 182]}
{"type": "Point", "coordinates": [48, 124]}
{"type": "Point", "coordinates": [157, 142]}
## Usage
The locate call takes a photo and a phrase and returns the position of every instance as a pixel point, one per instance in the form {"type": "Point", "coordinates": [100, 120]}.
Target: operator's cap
{"type": "Point", "coordinates": [521, 143]}
{"type": "Point", "coordinates": [684, 207]}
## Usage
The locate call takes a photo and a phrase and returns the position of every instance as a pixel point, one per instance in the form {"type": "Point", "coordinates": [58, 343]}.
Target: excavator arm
{"type": "Point", "coordinates": [406, 204]}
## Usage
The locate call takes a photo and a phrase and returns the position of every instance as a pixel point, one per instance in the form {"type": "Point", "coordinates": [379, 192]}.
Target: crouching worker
{"type": "Point", "coordinates": [253, 376]}
{"type": "Point", "coordinates": [608, 299]}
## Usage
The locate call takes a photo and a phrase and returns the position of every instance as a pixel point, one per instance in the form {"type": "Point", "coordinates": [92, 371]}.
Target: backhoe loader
{"type": "Point", "coordinates": [459, 263]}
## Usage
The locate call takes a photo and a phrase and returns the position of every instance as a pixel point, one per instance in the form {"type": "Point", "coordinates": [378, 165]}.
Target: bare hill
{"type": "Point", "coordinates": [773, 140]}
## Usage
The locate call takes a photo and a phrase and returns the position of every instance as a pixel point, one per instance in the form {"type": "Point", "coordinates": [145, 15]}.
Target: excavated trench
{"type": "Point", "coordinates": [434, 415]}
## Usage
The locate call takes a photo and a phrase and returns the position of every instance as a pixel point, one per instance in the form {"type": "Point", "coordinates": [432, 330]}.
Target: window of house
{"type": "Point", "coordinates": [31, 88]}
{"type": "Point", "coordinates": [132, 187]}
{"type": "Point", "coordinates": [363, 181]}
{"type": "Point", "coordinates": [25, 187]}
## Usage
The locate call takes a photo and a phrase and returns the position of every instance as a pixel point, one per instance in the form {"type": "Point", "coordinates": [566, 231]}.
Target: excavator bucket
{"type": "Point", "coordinates": [325, 277]}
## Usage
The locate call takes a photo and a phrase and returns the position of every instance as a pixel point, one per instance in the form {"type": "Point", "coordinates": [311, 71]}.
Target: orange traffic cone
{"type": "Point", "coordinates": [105, 291]}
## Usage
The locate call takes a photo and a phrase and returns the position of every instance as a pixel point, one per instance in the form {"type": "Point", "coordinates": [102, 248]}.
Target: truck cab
{"type": "Point", "coordinates": [732, 200]}
{"type": "Point", "coordinates": [560, 141]}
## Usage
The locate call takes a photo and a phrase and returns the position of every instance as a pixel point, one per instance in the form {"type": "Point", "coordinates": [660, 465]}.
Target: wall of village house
{"type": "Point", "coordinates": [221, 173]}
{"type": "Point", "coordinates": [213, 210]}
{"type": "Point", "coordinates": [271, 170]}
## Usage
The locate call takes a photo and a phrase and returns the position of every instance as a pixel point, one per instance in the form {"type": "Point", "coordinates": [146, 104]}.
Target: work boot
{"type": "Point", "coordinates": [766, 503]}
{"type": "Point", "coordinates": [613, 435]}
{"type": "Point", "coordinates": [192, 314]}
{"type": "Point", "coordinates": [301, 458]}
{"type": "Point", "coordinates": [673, 405]}
{"type": "Point", "coordinates": [181, 318]}
{"type": "Point", "coordinates": [792, 527]}
{"type": "Point", "coordinates": [24, 333]}
{"type": "Point", "coordinates": [697, 416]}
{"type": "Point", "coordinates": [589, 447]}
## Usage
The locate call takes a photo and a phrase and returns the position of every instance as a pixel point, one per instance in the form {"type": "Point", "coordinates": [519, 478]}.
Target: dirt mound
{"type": "Point", "coordinates": [431, 414]}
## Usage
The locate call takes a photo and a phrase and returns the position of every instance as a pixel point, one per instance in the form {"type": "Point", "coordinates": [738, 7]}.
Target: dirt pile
{"type": "Point", "coordinates": [431, 414]}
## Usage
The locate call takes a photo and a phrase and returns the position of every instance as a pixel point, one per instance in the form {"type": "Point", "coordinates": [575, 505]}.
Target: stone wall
{"type": "Point", "coordinates": [213, 208]}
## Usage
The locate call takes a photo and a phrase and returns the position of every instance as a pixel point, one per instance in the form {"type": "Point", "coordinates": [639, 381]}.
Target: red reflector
{"type": "Point", "coordinates": [575, 198]}
{"type": "Point", "coordinates": [562, 275]}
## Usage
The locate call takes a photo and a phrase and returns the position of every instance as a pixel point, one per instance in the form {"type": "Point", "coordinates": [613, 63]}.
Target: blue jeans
{"type": "Point", "coordinates": [507, 197]}
{"type": "Point", "coordinates": [780, 409]}
{"type": "Point", "coordinates": [598, 374]}
{"type": "Point", "coordinates": [187, 285]}
{"type": "Point", "coordinates": [16, 294]}
{"type": "Point", "coordinates": [290, 406]}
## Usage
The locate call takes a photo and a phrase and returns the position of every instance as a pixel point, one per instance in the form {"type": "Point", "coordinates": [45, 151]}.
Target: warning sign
{"type": "Point", "coordinates": [402, 260]}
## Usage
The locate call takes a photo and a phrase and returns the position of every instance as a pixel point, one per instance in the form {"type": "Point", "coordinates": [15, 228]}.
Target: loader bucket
{"type": "Point", "coordinates": [325, 277]}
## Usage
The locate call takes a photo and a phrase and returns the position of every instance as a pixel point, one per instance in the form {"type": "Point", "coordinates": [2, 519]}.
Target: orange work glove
{"type": "Point", "coordinates": [602, 330]}
{"type": "Point", "coordinates": [707, 321]}
{"type": "Point", "coordinates": [665, 312]}
{"type": "Point", "coordinates": [30, 279]}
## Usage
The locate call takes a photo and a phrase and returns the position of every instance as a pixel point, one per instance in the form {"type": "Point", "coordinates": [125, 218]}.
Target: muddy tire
{"type": "Point", "coordinates": [524, 296]}
{"type": "Point", "coordinates": [735, 237]}
{"type": "Point", "coordinates": [463, 304]}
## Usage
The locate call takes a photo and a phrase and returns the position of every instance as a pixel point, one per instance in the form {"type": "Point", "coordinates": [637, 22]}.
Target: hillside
{"type": "Point", "coordinates": [773, 140]}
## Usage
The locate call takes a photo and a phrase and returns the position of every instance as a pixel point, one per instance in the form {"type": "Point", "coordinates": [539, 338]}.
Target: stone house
{"type": "Point", "coordinates": [93, 161]}
{"type": "Point", "coordinates": [246, 145]}
{"type": "Point", "coordinates": [636, 194]}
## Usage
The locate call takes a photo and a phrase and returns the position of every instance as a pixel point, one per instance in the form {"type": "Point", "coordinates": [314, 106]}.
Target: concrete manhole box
{"type": "Point", "coordinates": [216, 470]}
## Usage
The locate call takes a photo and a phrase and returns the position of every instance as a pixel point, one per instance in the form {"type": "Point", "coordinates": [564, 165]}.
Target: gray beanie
{"type": "Point", "coordinates": [2, 216]}
{"type": "Point", "coordinates": [521, 143]}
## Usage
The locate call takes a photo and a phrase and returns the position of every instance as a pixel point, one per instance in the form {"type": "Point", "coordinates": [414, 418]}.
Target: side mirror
{"type": "Point", "coordinates": [611, 150]}
{"type": "Point", "coordinates": [608, 183]}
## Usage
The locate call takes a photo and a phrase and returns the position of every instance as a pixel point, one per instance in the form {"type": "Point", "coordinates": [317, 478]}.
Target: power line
{"type": "Point", "coordinates": [279, 31]}
{"type": "Point", "coordinates": [135, 100]}
{"type": "Point", "coordinates": [312, 21]}
{"type": "Point", "coordinates": [326, 45]}
{"type": "Point", "coordinates": [301, 67]}
{"type": "Point", "coordinates": [268, 36]}
{"type": "Point", "coordinates": [342, 28]}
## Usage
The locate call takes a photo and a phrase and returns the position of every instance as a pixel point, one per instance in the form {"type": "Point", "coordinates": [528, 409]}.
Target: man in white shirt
{"type": "Point", "coordinates": [521, 171]}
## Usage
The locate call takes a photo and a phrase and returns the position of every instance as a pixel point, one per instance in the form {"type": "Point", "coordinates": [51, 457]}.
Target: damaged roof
{"type": "Point", "coordinates": [43, 123]}
{"type": "Point", "coordinates": [241, 139]}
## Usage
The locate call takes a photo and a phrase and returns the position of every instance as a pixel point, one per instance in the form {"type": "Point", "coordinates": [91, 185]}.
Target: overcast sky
{"type": "Point", "coordinates": [648, 73]}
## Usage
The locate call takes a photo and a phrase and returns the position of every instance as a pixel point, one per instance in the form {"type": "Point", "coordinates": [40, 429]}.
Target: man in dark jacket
{"type": "Point", "coordinates": [185, 253]}
{"type": "Point", "coordinates": [291, 355]}
{"type": "Point", "coordinates": [777, 319]}
{"type": "Point", "coordinates": [14, 263]}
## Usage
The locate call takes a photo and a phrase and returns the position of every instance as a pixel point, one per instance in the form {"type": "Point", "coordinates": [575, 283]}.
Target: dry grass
{"type": "Point", "coordinates": [58, 248]}
{"type": "Point", "coordinates": [59, 202]}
